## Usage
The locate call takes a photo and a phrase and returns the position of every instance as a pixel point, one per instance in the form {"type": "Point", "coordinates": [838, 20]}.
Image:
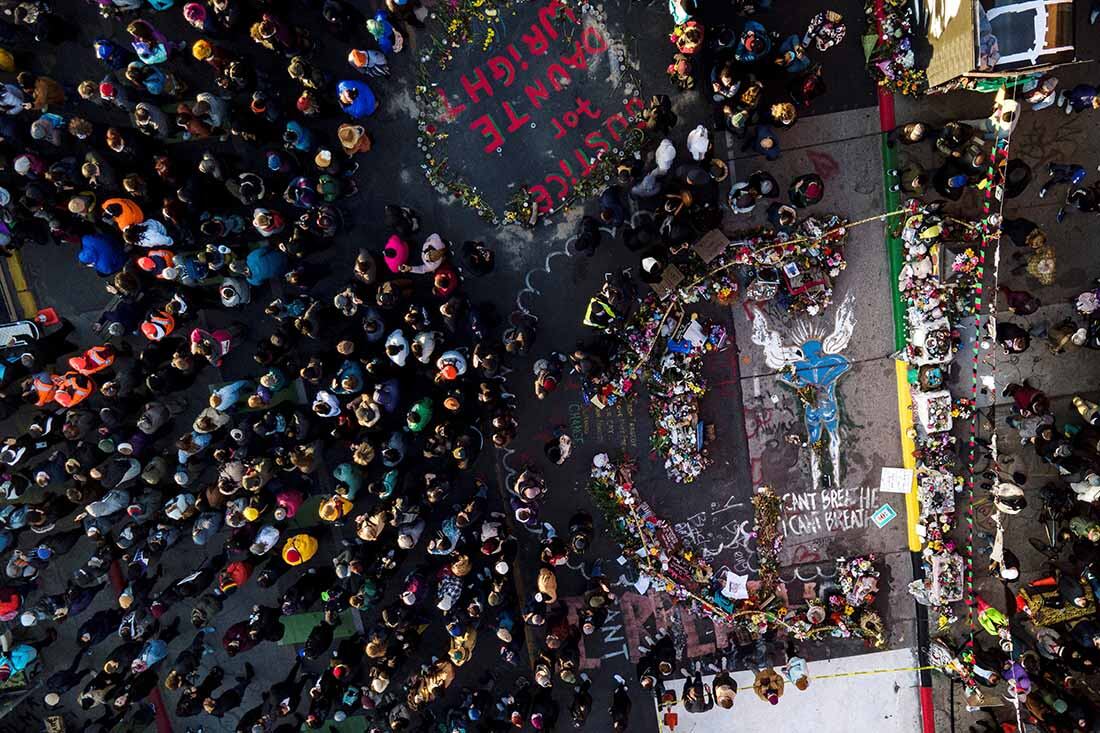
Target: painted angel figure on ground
{"type": "Point", "coordinates": [813, 368]}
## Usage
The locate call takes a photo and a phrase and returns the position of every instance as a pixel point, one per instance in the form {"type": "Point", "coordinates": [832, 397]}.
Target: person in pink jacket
{"type": "Point", "coordinates": [212, 344]}
{"type": "Point", "coordinates": [395, 253]}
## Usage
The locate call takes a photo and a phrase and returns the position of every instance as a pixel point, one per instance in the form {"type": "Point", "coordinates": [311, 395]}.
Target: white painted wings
{"type": "Point", "coordinates": [845, 324]}
{"type": "Point", "coordinates": [776, 354]}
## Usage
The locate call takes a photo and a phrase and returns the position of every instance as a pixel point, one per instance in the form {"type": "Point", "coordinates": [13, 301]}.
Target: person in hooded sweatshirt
{"type": "Point", "coordinates": [102, 253]}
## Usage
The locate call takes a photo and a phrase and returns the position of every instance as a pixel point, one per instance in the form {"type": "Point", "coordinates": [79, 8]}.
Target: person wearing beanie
{"type": "Point", "coordinates": [768, 685]}
{"type": "Point", "coordinates": [299, 549]}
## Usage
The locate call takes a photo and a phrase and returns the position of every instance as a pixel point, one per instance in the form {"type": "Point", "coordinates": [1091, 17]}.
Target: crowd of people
{"type": "Point", "coordinates": [1046, 644]}
{"type": "Point", "coordinates": [199, 166]}
{"type": "Point", "coordinates": [1041, 649]}
{"type": "Point", "coordinates": [759, 81]}
{"type": "Point", "coordinates": [332, 471]}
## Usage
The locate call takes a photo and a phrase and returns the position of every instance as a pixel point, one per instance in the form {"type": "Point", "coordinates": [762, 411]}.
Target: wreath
{"type": "Point", "coordinates": [479, 24]}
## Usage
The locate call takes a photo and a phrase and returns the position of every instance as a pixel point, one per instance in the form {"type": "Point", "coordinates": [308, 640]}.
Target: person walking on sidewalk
{"type": "Point", "coordinates": [768, 685]}
{"type": "Point", "coordinates": [620, 706]}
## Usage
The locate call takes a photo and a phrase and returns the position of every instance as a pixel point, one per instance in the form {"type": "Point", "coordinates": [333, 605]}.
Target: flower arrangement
{"type": "Point", "coordinates": [965, 263]}
{"type": "Point", "coordinates": [891, 60]}
{"type": "Point", "coordinates": [675, 389]}
{"type": "Point", "coordinates": [767, 530]}
{"type": "Point", "coordinates": [930, 309]}
{"type": "Point", "coordinates": [1087, 302]}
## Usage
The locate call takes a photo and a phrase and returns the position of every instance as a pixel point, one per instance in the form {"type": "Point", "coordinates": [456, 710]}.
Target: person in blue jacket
{"type": "Point", "coordinates": [103, 253]}
{"type": "Point", "coordinates": [383, 32]}
{"type": "Point", "coordinates": [754, 44]}
{"type": "Point", "coordinates": [265, 263]}
{"type": "Point", "coordinates": [356, 98]}
{"type": "Point", "coordinates": [18, 659]}
{"type": "Point", "coordinates": [792, 56]}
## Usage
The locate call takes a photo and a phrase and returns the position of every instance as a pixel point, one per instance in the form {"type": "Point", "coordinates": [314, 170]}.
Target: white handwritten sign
{"type": "Point", "coordinates": [896, 480]}
{"type": "Point", "coordinates": [736, 587]}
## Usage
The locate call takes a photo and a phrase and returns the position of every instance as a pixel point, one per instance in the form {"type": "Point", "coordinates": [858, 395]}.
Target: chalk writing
{"type": "Point", "coordinates": [613, 424]}
{"type": "Point", "coordinates": [828, 510]}
{"type": "Point", "coordinates": [576, 423]}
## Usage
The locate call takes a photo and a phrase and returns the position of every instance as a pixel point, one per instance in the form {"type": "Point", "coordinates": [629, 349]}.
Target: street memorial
{"type": "Point", "coordinates": [845, 609]}
{"type": "Point", "coordinates": [812, 367]}
{"type": "Point", "coordinates": [661, 346]}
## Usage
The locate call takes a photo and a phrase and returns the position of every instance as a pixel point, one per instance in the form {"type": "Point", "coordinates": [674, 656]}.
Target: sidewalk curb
{"type": "Point", "coordinates": [18, 298]}
{"type": "Point", "coordinates": [905, 414]}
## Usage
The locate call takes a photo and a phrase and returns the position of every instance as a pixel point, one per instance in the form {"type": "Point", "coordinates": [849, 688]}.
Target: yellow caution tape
{"type": "Point", "coordinates": [871, 671]}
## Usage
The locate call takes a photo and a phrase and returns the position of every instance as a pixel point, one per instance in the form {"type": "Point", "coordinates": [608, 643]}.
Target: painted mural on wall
{"type": "Point", "coordinates": [811, 364]}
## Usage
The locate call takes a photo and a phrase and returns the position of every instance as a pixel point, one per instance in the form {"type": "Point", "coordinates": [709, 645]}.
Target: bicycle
{"type": "Point", "coordinates": [1056, 501]}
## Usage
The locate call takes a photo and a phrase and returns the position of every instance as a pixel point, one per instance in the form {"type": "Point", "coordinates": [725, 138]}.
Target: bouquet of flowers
{"type": "Point", "coordinates": [767, 530]}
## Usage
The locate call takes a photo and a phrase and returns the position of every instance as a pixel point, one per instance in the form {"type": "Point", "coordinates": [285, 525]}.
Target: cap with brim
{"type": "Point", "coordinates": [350, 135]}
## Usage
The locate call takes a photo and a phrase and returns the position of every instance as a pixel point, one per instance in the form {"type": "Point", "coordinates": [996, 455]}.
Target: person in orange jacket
{"type": "Point", "coordinates": [41, 389]}
{"type": "Point", "coordinates": [73, 389]}
{"type": "Point", "coordinates": [158, 325]}
{"type": "Point", "coordinates": [94, 360]}
{"type": "Point", "coordinates": [122, 212]}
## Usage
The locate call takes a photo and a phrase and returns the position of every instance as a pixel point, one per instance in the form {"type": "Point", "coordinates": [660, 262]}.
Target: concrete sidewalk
{"type": "Point", "coordinates": [845, 150]}
{"type": "Point", "coordinates": [889, 678]}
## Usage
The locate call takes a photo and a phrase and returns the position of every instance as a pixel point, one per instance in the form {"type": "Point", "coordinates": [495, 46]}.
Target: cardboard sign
{"type": "Point", "coordinates": [710, 245]}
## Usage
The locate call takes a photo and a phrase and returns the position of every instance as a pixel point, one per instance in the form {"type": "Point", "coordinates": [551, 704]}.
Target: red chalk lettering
{"type": "Point", "coordinates": [595, 141]}
{"type": "Point", "coordinates": [537, 43]}
{"type": "Point", "coordinates": [571, 119]}
{"type": "Point", "coordinates": [501, 68]}
{"type": "Point", "coordinates": [586, 164]}
{"type": "Point", "coordinates": [558, 77]}
{"type": "Point", "coordinates": [535, 94]}
{"type": "Point", "coordinates": [559, 128]}
{"type": "Point", "coordinates": [585, 108]}
{"type": "Point", "coordinates": [565, 168]}
{"type": "Point", "coordinates": [636, 102]}
{"type": "Point", "coordinates": [514, 122]}
{"type": "Point", "coordinates": [577, 60]}
{"type": "Point", "coordinates": [513, 51]}
{"type": "Point", "coordinates": [481, 83]}
{"type": "Point", "coordinates": [609, 123]}
{"type": "Point", "coordinates": [563, 185]}
{"type": "Point", "coordinates": [542, 198]}
{"type": "Point", "coordinates": [593, 41]}
{"type": "Point", "coordinates": [487, 127]}
{"type": "Point", "coordinates": [449, 112]}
